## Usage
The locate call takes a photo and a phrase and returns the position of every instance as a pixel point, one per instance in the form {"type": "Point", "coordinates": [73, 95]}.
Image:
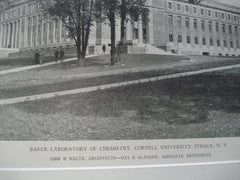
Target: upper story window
{"type": "Point", "coordinates": [209, 13]}
{"type": "Point", "coordinates": [195, 23]}
{"type": "Point", "coordinates": [179, 21]}
{"type": "Point", "coordinates": [229, 16]}
{"type": "Point", "coordinates": [230, 29]}
{"type": "Point", "coordinates": [235, 18]}
{"type": "Point", "coordinates": [170, 20]}
{"type": "Point", "coordinates": [186, 8]}
{"type": "Point", "coordinates": [223, 28]}
{"type": "Point", "coordinates": [217, 27]}
{"type": "Point", "coordinates": [203, 25]}
{"type": "Point", "coordinates": [202, 11]}
{"type": "Point", "coordinates": [216, 14]}
{"type": "Point", "coordinates": [23, 10]}
{"type": "Point", "coordinates": [194, 10]}
{"type": "Point", "coordinates": [178, 7]}
{"type": "Point", "coordinates": [169, 5]}
{"type": "Point", "coordinates": [236, 30]}
{"type": "Point", "coordinates": [223, 15]}
{"type": "Point", "coordinates": [210, 26]}
{"type": "Point", "coordinates": [187, 22]}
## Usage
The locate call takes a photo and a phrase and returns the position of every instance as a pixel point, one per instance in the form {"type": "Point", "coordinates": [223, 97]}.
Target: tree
{"type": "Point", "coordinates": [77, 17]}
{"type": "Point", "coordinates": [4, 4]}
{"type": "Point", "coordinates": [108, 10]}
{"type": "Point", "coordinates": [132, 8]}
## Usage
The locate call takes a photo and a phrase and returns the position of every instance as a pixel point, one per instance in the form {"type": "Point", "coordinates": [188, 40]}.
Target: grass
{"type": "Point", "coordinates": [199, 106]}
{"type": "Point", "coordinates": [80, 83]}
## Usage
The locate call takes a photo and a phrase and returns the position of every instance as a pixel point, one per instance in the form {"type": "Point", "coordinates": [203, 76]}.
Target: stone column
{"type": "Point", "coordinates": [47, 25]}
{"type": "Point", "coordinates": [36, 29]}
{"type": "Point", "coordinates": [18, 33]}
{"type": "Point", "coordinates": [1, 34]}
{"type": "Point", "coordinates": [128, 30]}
{"type": "Point", "coordinates": [140, 31]}
{"type": "Point", "coordinates": [54, 31]}
{"type": "Point", "coordinates": [12, 35]}
{"type": "Point", "coordinates": [25, 32]}
{"type": "Point", "coordinates": [9, 35]}
{"type": "Point", "coordinates": [60, 30]}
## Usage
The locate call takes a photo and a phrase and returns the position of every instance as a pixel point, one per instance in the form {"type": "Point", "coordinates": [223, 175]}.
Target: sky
{"type": "Point", "coordinates": [231, 2]}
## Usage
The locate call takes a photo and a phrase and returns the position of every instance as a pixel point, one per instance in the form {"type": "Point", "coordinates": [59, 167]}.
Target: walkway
{"type": "Point", "coordinates": [109, 86]}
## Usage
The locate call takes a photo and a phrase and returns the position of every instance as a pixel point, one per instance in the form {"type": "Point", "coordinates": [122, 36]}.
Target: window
{"type": "Point", "coordinates": [170, 20]}
{"type": "Point", "coordinates": [171, 37]}
{"type": "Point", "coordinates": [216, 14]}
{"type": "Point", "coordinates": [210, 26]}
{"type": "Point", "coordinates": [203, 25]}
{"type": "Point", "coordinates": [223, 28]}
{"type": "Point", "coordinates": [231, 43]}
{"type": "Point", "coordinates": [222, 15]}
{"type": "Point", "coordinates": [180, 38]}
{"type": "Point", "coordinates": [230, 29]}
{"type": "Point", "coordinates": [218, 42]}
{"type": "Point", "coordinates": [209, 12]}
{"type": "Point", "coordinates": [187, 22]}
{"type": "Point", "coordinates": [169, 5]}
{"type": "Point", "coordinates": [196, 40]}
{"type": "Point", "coordinates": [179, 21]}
{"type": "Point", "coordinates": [202, 11]}
{"type": "Point", "coordinates": [217, 27]}
{"type": "Point", "coordinates": [225, 43]}
{"type": "Point", "coordinates": [235, 18]}
{"type": "Point", "coordinates": [236, 30]}
{"type": "Point", "coordinates": [195, 23]}
{"type": "Point", "coordinates": [211, 42]}
{"type": "Point", "coordinates": [178, 7]}
{"type": "Point", "coordinates": [229, 17]}
{"type": "Point", "coordinates": [194, 10]}
{"type": "Point", "coordinates": [186, 8]}
{"type": "Point", "coordinates": [204, 41]}
{"type": "Point", "coordinates": [188, 40]}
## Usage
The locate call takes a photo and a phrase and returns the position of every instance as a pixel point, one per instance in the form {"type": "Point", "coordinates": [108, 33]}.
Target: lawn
{"type": "Point", "coordinates": [199, 106]}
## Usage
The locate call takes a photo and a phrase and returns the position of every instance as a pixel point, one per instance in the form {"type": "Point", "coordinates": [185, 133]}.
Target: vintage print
{"type": "Point", "coordinates": [73, 70]}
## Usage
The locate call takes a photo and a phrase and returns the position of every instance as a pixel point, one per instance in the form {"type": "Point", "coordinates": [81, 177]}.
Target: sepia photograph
{"type": "Point", "coordinates": [119, 70]}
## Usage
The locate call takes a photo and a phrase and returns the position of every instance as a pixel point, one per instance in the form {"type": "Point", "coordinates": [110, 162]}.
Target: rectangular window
{"type": "Point", "coordinates": [171, 37]}
{"type": "Point", "coordinates": [236, 30]}
{"type": "Point", "coordinates": [179, 22]}
{"type": "Point", "coordinates": [196, 40]}
{"type": "Point", "coordinates": [194, 10]}
{"type": "Point", "coordinates": [170, 20]}
{"type": "Point", "coordinates": [178, 7]}
{"type": "Point", "coordinates": [186, 8]}
{"type": "Point", "coordinates": [217, 27]}
{"type": "Point", "coordinates": [216, 14]}
{"type": "Point", "coordinates": [180, 38]}
{"type": "Point", "coordinates": [210, 26]}
{"type": "Point", "coordinates": [169, 5]}
{"type": "Point", "coordinates": [209, 12]}
{"type": "Point", "coordinates": [231, 43]}
{"type": "Point", "coordinates": [230, 29]}
{"type": "Point", "coordinates": [203, 25]}
{"type": "Point", "coordinates": [187, 22]}
{"type": "Point", "coordinates": [202, 11]}
{"type": "Point", "coordinates": [223, 28]}
{"type": "Point", "coordinates": [229, 17]}
{"type": "Point", "coordinates": [235, 18]}
{"type": "Point", "coordinates": [204, 41]}
{"type": "Point", "coordinates": [225, 43]}
{"type": "Point", "coordinates": [195, 23]}
{"type": "Point", "coordinates": [222, 15]}
{"type": "Point", "coordinates": [211, 42]}
{"type": "Point", "coordinates": [218, 42]}
{"type": "Point", "coordinates": [188, 39]}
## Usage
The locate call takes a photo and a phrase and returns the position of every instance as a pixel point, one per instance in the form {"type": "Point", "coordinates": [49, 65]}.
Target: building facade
{"type": "Point", "coordinates": [177, 26]}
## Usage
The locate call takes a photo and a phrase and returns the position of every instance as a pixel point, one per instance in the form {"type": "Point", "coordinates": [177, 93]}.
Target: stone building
{"type": "Point", "coordinates": [177, 26]}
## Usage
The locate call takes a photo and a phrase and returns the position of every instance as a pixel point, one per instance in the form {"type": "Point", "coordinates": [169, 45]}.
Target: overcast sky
{"type": "Point", "coordinates": [231, 2]}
